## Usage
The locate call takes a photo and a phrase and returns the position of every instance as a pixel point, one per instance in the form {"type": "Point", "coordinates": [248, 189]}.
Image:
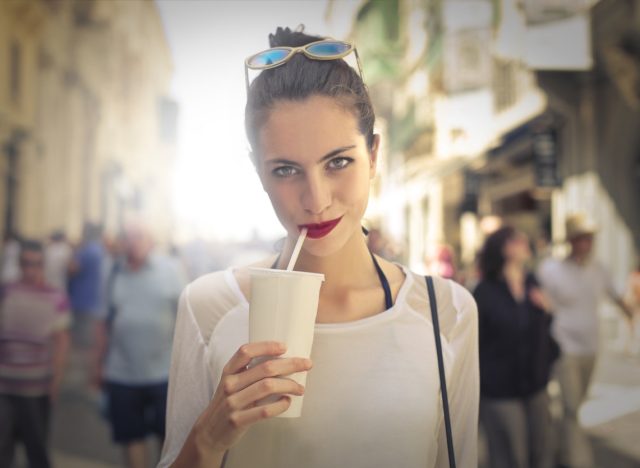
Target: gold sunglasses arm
{"type": "Point", "coordinates": [355, 51]}
{"type": "Point", "coordinates": [292, 52]}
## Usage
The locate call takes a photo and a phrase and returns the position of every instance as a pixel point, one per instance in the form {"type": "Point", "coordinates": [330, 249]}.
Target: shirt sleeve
{"type": "Point", "coordinates": [607, 281]}
{"type": "Point", "coordinates": [190, 388]}
{"type": "Point", "coordinates": [463, 383]}
{"type": "Point", "coordinates": [545, 277]}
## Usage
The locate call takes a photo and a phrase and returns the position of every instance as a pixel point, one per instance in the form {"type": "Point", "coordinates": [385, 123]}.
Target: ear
{"type": "Point", "coordinates": [374, 155]}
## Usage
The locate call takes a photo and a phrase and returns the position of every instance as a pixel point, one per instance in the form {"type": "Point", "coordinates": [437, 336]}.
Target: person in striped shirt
{"type": "Point", "coordinates": [34, 344]}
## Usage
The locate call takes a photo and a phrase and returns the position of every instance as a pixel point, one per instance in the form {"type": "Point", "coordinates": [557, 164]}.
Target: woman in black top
{"type": "Point", "coordinates": [516, 352]}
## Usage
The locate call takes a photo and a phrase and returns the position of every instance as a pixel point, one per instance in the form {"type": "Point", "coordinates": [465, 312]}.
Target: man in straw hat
{"type": "Point", "coordinates": [576, 285]}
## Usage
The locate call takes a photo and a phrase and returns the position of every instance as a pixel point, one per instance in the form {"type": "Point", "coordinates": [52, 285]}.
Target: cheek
{"type": "Point", "coordinates": [354, 188]}
{"type": "Point", "coordinates": [284, 200]}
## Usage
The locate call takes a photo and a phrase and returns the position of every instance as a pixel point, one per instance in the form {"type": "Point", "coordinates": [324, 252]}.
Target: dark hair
{"type": "Point", "coordinates": [301, 78]}
{"type": "Point", "coordinates": [492, 259]}
{"type": "Point", "coordinates": [29, 245]}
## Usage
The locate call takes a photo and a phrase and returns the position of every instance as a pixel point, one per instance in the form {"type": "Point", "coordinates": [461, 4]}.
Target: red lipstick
{"type": "Point", "coordinates": [318, 230]}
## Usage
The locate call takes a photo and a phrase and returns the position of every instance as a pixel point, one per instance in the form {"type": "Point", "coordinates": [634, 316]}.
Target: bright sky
{"type": "Point", "coordinates": [217, 192]}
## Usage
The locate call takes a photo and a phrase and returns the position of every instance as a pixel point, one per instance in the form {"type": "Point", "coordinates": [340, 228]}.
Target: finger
{"type": "Point", "coordinates": [264, 388]}
{"type": "Point", "coordinates": [245, 353]}
{"type": "Point", "coordinates": [272, 368]}
{"type": "Point", "coordinates": [249, 416]}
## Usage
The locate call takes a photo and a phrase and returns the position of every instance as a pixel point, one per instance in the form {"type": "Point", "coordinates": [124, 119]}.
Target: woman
{"type": "Point", "coordinates": [372, 394]}
{"type": "Point", "coordinates": [516, 351]}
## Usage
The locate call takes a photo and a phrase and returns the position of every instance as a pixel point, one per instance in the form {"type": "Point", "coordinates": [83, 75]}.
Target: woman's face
{"type": "Point", "coordinates": [517, 248]}
{"type": "Point", "coordinates": [315, 166]}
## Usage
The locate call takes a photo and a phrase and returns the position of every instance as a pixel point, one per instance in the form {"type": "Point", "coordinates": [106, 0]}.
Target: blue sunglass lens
{"type": "Point", "coordinates": [268, 57]}
{"type": "Point", "coordinates": [329, 49]}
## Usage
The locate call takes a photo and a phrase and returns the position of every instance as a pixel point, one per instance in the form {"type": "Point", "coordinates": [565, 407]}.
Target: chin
{"type": "Point", "coordinates": [322, 247]}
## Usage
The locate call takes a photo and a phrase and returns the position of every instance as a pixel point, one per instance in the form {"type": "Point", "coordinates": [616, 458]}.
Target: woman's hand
{"type": "Point", "coordinates": [540, 299]}
{"type": "Point", "coordinates": [236, 404]}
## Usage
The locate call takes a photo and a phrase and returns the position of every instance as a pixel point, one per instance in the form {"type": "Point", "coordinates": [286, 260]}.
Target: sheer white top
{"type": "Point", "coordinates": [372, 398]}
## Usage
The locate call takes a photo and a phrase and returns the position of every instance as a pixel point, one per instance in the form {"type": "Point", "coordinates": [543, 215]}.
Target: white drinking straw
{"type": "Point", "coordinates": [296, 249]}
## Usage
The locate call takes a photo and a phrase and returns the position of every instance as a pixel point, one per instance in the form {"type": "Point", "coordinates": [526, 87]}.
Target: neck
{"type": "Point", "coordinates": [349, 266]}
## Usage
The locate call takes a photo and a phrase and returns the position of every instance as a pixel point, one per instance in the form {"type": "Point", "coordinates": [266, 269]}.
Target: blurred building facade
{"type": "Point", "coordinates": [526, 110]}
{"type": "Point", "coordinates": [87, 129]}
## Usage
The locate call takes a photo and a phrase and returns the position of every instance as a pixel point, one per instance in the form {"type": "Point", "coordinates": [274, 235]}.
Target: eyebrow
{"type": "Point", "coordinates": [329, 155]}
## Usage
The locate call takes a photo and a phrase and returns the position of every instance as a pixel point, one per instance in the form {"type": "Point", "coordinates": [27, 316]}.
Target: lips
{"type": "Point", "coordinates": [318, 230]}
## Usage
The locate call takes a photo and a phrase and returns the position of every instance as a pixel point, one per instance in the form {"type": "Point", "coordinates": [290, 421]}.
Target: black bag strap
{"type": "Point", "coordinates": [443, 382]}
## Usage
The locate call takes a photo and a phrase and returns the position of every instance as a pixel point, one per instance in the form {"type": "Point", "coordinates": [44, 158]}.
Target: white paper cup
{"type": "Point", "coordinates": [283, 308]}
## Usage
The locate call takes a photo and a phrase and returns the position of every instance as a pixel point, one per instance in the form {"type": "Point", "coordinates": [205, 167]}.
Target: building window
{"type": "Point", "coordinates": [15, 70]}
{"type": "Point", "coordinates": [504, 84]}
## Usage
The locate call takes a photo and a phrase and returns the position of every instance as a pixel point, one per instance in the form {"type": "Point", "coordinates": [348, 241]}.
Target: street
{"type": "Point", "coordinates": [612, 414]}
{"type": "Point", "coordinates": [80, 437]}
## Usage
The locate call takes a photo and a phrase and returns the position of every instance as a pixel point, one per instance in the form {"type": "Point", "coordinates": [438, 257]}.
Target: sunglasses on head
{"type": "Point", "coordinates": [327, 49]}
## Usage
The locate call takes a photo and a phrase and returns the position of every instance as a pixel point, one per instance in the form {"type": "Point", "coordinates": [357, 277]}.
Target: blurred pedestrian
{"type": "Point", "coordinates": [113, 256]}
{"type": "Point", "coordinates": [57, 257]}
{"type": "Point", "coordinates": [633, 290]}
{"type": "Point", "coordinates": [381, 244]}
{"type": "Point", "coordinates": [10, 258]}
{"type": "Point", "coordinates": [34, 343]}
{"type": "Point", "coordinates": [576, 285]}
{"type": "Point", "coordinates": [516, 354]}
{"type": "Point", "coordinates": [134, 344]}
{"type": "Point", "coordinates": [85, 279]}
{"type": "Point", "coordinates": [631, 345]}
{"type": "Point", "coordinates": [175, 255]}
{"type": "Point", "coordinates": [441, 261]}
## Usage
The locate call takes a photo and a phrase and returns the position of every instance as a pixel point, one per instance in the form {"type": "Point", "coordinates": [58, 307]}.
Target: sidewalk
{"type": "Point", "coordinates": [612, 413]}
{"type": "Point", "coordinates": [79, 437]}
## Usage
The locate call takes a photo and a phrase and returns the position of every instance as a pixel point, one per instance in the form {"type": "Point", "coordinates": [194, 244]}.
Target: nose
{"type": "Point", "coordinates": [316, 195]}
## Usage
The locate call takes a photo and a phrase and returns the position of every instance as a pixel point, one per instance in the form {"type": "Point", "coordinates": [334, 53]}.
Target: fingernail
{"type": "Point", "coordinates": [308, 362]}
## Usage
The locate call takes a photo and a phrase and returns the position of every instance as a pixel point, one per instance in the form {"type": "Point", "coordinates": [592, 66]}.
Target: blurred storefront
{"type": "Point", "coordinates": [516, 179]}
{"type": "Point", "coordinates": [525, 110]}
{"type": "Point", "coordinates": [452, 100]}
{"type": "Point", "coordinates": [87, 128]}
{"type": "Point", "coordinates": [581, 153]}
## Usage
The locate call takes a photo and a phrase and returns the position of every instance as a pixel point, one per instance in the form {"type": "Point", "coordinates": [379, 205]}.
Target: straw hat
{"type": "Point", "coordinates": [578, 224]}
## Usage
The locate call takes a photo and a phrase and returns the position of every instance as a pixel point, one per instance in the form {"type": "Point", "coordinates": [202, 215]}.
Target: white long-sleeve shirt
{"type": "Point", "coordinates": [576, 292]}
{"type": "Point", "coordinates": [372, 398]}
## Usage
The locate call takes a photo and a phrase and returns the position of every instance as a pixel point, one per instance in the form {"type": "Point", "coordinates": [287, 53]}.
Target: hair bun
{"type": "Point", "coordinates": [286, 37]}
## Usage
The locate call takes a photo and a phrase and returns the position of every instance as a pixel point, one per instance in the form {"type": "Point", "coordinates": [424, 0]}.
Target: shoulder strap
{"type": "Point", "coordinates": [443, 382]}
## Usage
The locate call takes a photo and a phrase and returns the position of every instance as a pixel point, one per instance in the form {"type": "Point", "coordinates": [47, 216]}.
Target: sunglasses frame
{"type": "Point", "coordinates": [302, 49]}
